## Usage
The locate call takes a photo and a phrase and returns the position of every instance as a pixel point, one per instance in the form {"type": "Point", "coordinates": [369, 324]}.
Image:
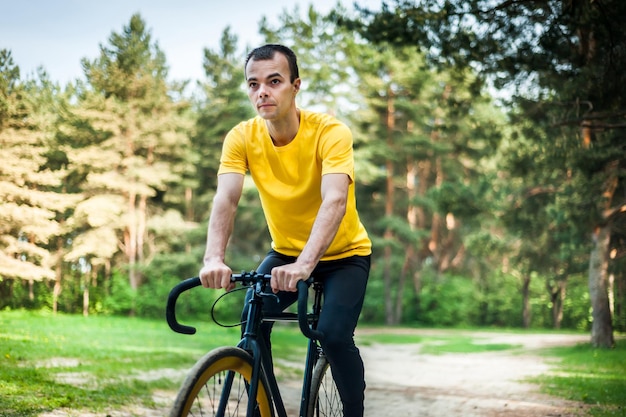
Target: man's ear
{"type": "Point", "coordinates": [296, 85]}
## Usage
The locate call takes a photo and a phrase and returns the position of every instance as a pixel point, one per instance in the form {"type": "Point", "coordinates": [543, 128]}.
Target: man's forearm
{"type": "Point", "coordinates": [323, 232]}
{"type": "Point", "coordinates": [222, 217]}
{"type": "Point", "coordinates": [221, 225]}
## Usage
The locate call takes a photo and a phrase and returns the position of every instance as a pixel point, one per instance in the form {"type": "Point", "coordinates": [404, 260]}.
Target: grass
{"type": "Point", "coordinates": [96, 363]}
{"type": "Point", "coordinates": [593, 376]}
{"type": "Point", "coordinates": [454, 341]}
{"type": "Point", "coordinates": [49, 362]}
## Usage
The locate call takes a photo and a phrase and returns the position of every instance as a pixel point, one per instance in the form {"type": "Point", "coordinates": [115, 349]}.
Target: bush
{"type": "Point", "coordinates": [121, 298]}
{"type": "Point", "coordinates": [448, 300]}
{"type": "Point", "coordinates": [500, 301]}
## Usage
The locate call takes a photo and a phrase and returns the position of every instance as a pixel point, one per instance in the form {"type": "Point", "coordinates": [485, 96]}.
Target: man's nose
{"type": "Point", "coordinates": [262, 90]}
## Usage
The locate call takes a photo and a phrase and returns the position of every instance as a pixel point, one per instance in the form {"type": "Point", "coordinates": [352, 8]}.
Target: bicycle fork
{"type": "Point", "coordinates": [252, 388]}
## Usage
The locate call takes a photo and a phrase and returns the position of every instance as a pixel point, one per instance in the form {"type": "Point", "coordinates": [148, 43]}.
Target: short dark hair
{"type": "Point", "coordinates": [268, 51]}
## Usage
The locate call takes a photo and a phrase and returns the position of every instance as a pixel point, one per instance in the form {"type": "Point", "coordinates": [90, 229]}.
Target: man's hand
{"type": "Point", "coordinates": [216, 275]}
{"type": "Point", "coordinates": [286, 277]}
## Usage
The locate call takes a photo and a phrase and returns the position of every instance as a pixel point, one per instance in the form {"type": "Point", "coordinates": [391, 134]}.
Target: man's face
{"type": "Point", "coordinates": [269, 89]}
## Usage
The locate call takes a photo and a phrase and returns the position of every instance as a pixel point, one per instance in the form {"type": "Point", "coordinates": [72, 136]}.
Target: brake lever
{"type": "Point", "coordinates": [261, 290]}
{"type": "Point", "coordinates": [269, 295]}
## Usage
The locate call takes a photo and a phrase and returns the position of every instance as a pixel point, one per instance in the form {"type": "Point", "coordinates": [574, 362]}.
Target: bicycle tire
{"type": "Point", "coordinates": [200, 392]}
{"type": "Point", "coordinates": [324, 397]}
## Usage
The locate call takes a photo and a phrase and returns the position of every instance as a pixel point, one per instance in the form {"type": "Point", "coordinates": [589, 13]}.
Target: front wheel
{"type": "Point", "coordinates": [324, 398]}
{"type": "Point", "coordinates": [225, 372]}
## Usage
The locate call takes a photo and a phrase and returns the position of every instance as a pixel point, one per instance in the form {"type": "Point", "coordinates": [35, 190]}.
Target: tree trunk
{"type": "Point", "coordinates": [423, 173]}
{"type": "Point", "coordinates": [434, 244]}
{"type": "Point", "coordinates": [58, 274]}
{"type": "Point", "coordinates": [602, 326]}
{"type": "Point", "coordinates": [131, 241]}
{"type": "Point", "coordinates": [410, 263]}
{"type": "Point", "coordinates": [611, 292]}
{"type": "Point", "coordinates": [620, 298]}
{"type": "Point", "coordinates": [557, 296]}
{"type": "Point", "coordinates": [86, 284]}
{"type": "Point", "coordinates": [389, 319]}
{"type": "Point", "coordinates": [189, 213]}
{"type": "Point", "coordinates": [142, 220]}
{"type": "Point", "coordinates": [56, 292]}
{"type": "Point", "coordinates": [389, 208]}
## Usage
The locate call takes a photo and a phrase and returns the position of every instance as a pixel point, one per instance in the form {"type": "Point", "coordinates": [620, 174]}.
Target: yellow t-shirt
{"type": "Point", "coordinates": [289, 180]}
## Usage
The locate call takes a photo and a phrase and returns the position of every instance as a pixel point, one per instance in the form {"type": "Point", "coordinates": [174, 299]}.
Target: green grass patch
{"type": "Point", "coordinates": [464, 345]}
{"type": "Point", "coordinates": [452, 342]}
{"type": "Point", "coordinates": [391, 338]}
{"type": "Point", "coordinates": [593, 376]}
{"type": "Point", "coordinates": [53, 361]}
{"type": "Point", "coordinates": [96, 363]}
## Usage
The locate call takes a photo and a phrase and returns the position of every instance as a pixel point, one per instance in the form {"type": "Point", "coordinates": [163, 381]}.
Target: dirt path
{"type": "Point", "coordinates": [402, 382]}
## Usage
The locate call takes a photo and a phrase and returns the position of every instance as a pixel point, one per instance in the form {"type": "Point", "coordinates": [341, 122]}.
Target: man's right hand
{"type": "Point", "coordinates": [216, 275]}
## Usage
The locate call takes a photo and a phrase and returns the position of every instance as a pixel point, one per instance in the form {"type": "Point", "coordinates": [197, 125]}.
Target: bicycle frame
{"type": "Point", "coordinates": [252, 340]}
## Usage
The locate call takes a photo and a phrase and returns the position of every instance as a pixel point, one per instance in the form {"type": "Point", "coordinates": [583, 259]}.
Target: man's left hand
{"type": "Point", "coordinates": [286, 277]}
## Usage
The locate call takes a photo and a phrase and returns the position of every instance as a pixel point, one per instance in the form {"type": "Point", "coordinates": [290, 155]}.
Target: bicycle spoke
{"type": "Point", "coordinates": [328, 394]}
{"type": "Point", "coordinates": [207, 403]}
{"type": "Point", "coordinates": [324, 394]}
{"type": "Point", "coordinates": [218, 387]}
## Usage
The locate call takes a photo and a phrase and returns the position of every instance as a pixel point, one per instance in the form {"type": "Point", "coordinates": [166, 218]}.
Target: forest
{"type": "Point", "coordinates": [490, 152]}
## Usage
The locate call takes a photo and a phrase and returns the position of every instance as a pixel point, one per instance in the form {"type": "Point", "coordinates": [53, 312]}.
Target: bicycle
{"type": "Point", "coordinates": [222, 382]}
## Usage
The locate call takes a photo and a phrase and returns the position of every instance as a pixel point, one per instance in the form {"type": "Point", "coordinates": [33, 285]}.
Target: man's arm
{"type": "Point", "coordinates": [214, 273]}
{"type": "Point", "coordinates": [334, 198]}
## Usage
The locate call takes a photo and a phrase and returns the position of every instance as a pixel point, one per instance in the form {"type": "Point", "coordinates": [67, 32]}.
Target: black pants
{"type": "Point", "coordinates": [344, 281]}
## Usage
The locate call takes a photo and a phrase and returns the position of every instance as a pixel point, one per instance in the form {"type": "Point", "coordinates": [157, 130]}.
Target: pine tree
{"type": "Point", "coordinates": [562, 61]}
{"type": "Point", "coordinates": [32, 198]}
{"type": "Point", "coordinates": [138, 145]}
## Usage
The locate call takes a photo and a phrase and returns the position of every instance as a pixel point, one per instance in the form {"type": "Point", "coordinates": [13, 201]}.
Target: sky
{"type": "Point", "coordinates": [57, 34]}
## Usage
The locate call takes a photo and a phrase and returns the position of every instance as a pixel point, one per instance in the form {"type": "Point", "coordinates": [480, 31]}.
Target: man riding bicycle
{"type": "Point", "coordinates": [302, 164]}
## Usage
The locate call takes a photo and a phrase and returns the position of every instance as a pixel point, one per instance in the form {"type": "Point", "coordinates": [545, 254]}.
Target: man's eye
{"type": "Point", "coordinates": [275, 81]}
{"type": "Point", "coordinates": [251, 85]}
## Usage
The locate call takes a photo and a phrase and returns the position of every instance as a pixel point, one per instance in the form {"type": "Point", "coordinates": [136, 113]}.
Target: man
{"type": "Point", "coordinates": [302, 164]}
